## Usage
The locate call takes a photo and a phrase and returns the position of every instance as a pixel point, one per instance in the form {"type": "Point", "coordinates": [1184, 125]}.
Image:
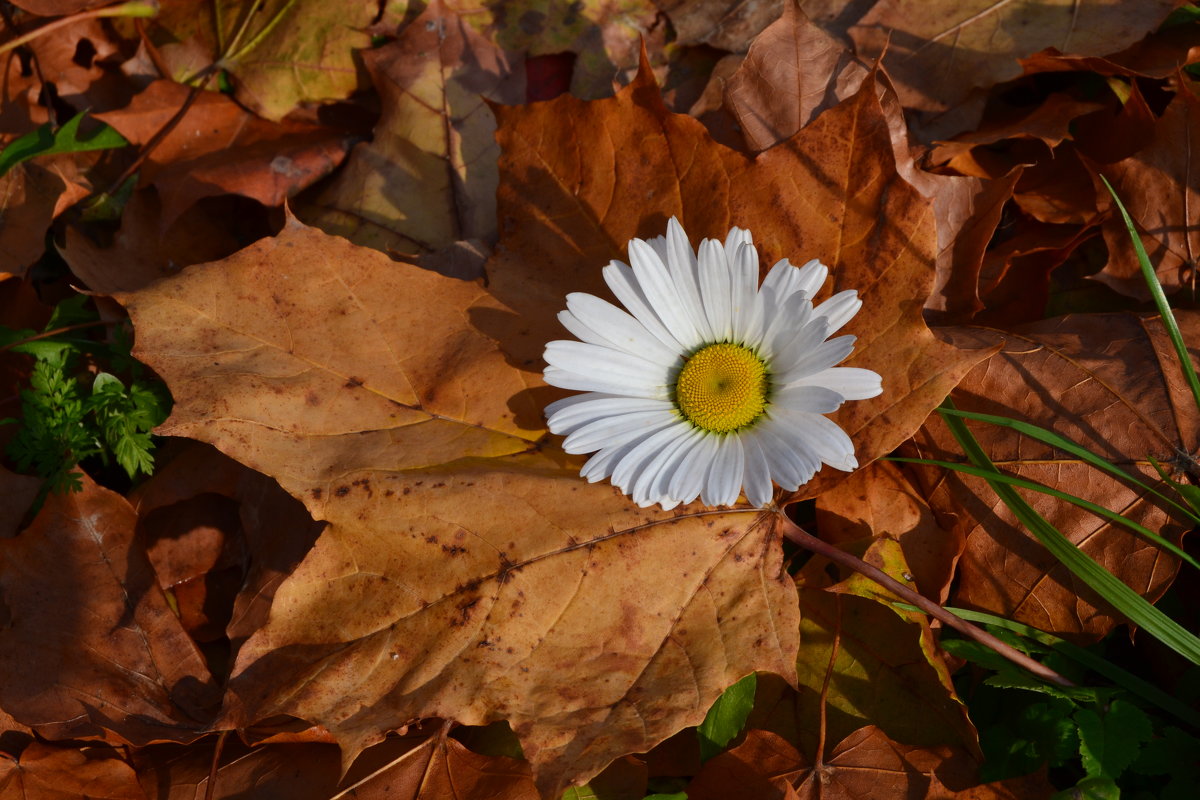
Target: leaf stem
{"type": "Point", "coordinates": [133, 8]}
{"type": "Point", "coordinates": [55, 332]}
{"type": "Point", "coordinates": [800, 537]}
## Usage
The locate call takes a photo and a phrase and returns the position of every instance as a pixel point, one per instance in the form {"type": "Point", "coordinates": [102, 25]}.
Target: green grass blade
{"type": "Point", "coordinates": [1098, 510]}
{"type": "Point", "coordinates": [1135, 607]}
{"type": "Point", "coordinates": [1126, 680]}
{"type": "Point", "coordinates": [1079, 451]}
{"type": "Point", "coordinates": [1160, 298]}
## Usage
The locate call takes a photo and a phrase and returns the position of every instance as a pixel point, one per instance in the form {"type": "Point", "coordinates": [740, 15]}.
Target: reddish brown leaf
{"type": "Point", "coordinates": [428, 176]}
{"type": "Point", "coordinates": [272, 527]}
{"type": "Point", "coordinates": [866, 765]}
{"type": "Point", "coordinates": [29, 197]}
{"type": "Point", "coordinates": [1160, 187]}
{"type": "Point", "coordinates": [1110, 382]}
{"type": "Point", "coordinates": [442, 768]}
{"type": "Point", "coordinates": [831, 192]}
{"type": "Point", "coordinates": [239, 153]}
{"type": "Point", "coordinates": [147, 247]}
{"type": "Point", "coordinates": [16, 496]}
{"type": "Point", "coordinates": [91, 645]}
{"type": "Point", "coordinates": [879, 502]}
{"type": "Point", "coordinates": [793, 72]}
{"type": "Point", "coordinates": [44, 772]}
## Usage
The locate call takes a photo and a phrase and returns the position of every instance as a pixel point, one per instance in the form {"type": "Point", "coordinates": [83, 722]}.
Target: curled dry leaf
{"type": "Point", "coordinates": [723, 24]}
{"type": "Point", "coordinates": [879, 501]}
{"type": "Point", "coordinates": [1111, 383]}
{"type": "Point", "coordinates": [428, 177]}
{"type": "Point", "coordinates": [938, 52]}
{"type": "Point", "coordinates": [794, 71]}
{"type": "Point", "coordinates": [1160, 186]}
{"type": "Point", "coordinates": [578, 180]}
{"type": "Point", "coordinates": [464, 574]}
{"type": "Point", "coordinates": [864, 663]}
{"type": "Point", "coordinates": [241, 154]}
{"type": "Point", "coordinates": [92, 648]}
{"type": "Point", "coordinates": [46, 772]}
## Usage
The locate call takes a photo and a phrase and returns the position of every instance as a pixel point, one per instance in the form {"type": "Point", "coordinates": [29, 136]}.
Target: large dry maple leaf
{"type": "Point", "coordinates": [464, 574]}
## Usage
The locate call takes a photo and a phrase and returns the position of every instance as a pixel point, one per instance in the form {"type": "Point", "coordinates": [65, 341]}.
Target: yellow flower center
{"type": "Point", "coordinates": [722, 388]}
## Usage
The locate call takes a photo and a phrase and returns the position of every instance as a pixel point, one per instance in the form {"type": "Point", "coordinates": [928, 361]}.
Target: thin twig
{"type": "Point", "coordinates": [134, 8]}
{"type": "Point", "coordinates": [55, 332]}
{"type": "Point", "coordinates": [210, 789]}
{"type": "Point", "coordinates": [811, 543]}
{"type": "Point", "coordinates": [164, 131]}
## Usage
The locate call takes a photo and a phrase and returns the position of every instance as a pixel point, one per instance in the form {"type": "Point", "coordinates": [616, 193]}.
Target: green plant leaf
{"type": "Point", "coordinates": [727, 717]}
{"type": "Point", "coordinates": [45, 141]}
{"type": "Point", "coordinates": [1110, 742]}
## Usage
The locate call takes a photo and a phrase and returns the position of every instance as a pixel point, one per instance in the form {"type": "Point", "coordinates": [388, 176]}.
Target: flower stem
{"type": "Point", "coordinates": [811, 543]}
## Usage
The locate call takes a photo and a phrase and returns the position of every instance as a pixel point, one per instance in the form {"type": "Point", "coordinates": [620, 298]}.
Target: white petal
{"type": "Point", "coordinates": [649, 486]}
{"type": "Point", "coordinates": [660, 291]}
{"type": "Point", "coordinates": [714, 289]}
{"type": "Point", "coordinates": [600, 465]}
{"type": "Point", "coordinates": [681, 262]}
{"type": "Point", "coordinates": [756, 481]}
{"type": "Point", "coordinates": [746, 305]}
{"type": "Point", "coordinates": [609, 431]}
{"type": "Point", "coordinates": [659, 245]}
{"type": "Point", "coordinates": [811, 276]}
{"type": "Point", "coordinates": [564, 417]}
{"type": "Point", "coordinates": [839, 309]}
{"type": "Point", "coordinates": [691, 472]}
{"type": "Point", "coordinates": [785, 324]}
{"type": "Point", "coordinates": [608, 384]}
{"type": "Point", "coordinates": [624, 285]}
{"type": "Point", "coordinates": [617, 327]}
{"type": "Point", "coordinates": [735, 239]}
{"type": "Point", "coordinates": [789, 458]}
{"type": "Point", "coordinates": [813, 399]}
{"type": "Point", "coordinates": [829, 442]}
{"type": "Point", "coordinates": [821, 357]}
{"type": "Point", "coordinates": [630, 467]}
{"type": "Point", "coordinates": [852, 383]}
{"type": "Point", "coordinates": [724, 482]}
{"type": "Point", "coordinates": [670, 465]}
{"type": "Point", "coordinates": [791, 344]}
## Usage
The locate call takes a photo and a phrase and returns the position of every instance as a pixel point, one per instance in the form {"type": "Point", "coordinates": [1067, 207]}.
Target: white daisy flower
{"type": "Point", "coordinates": [706, 384]}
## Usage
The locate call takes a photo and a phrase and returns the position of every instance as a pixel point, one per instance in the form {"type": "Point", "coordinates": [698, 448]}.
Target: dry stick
{"type": "Point", "coordinates": [135, 8]}
{"type": "Point", "coordinates": [210, 789]}
{"type": "Point", "coordinates": [55, 332]}
{"type": "Point", "coordinates": [811, 543]}
{"type": "Point", "coordinates": [163, 132]}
